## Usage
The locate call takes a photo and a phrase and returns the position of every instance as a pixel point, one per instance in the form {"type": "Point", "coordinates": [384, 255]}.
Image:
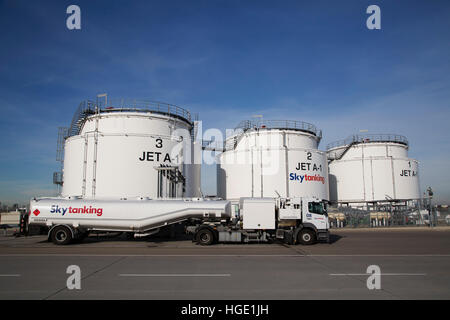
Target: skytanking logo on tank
{"type": "Point", "coordinates": [306, 177]}
{"type": "Point", "coordinates": [85, 210]}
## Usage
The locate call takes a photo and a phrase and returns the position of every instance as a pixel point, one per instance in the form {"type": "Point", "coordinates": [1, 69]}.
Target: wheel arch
{"type": "Point", "coordinates": [72, 230]}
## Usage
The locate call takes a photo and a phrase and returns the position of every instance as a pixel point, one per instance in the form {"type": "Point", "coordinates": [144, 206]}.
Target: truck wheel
{"type": "Point", "coordinates": [205, 237]}
{"type": "Point", "coordinates": [306, 237]}
{"type": "Point", "coordinates": [61, 235]}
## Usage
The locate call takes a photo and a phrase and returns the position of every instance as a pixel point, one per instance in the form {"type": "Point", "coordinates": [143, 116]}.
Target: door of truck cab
{"type": "Point", "coordinates": [315, 212]}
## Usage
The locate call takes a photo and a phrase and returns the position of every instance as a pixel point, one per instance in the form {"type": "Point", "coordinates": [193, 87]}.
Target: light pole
{"type": "Point", "coordinates": [430, 212]}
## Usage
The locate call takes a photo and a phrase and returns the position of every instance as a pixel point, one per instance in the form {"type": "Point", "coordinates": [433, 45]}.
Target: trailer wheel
{"type": "Point", "coordinates": [61, 235]}
{"type": "Point", "coordinates": [205, 237]}
{"type": "Point", "coordinates": [306, 237]}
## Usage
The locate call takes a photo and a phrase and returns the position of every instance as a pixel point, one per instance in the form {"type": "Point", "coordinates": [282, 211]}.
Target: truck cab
{"type": "Point", "coordinates": [290, 220]}
{"type": "Point", "coordinates": [303, 219]}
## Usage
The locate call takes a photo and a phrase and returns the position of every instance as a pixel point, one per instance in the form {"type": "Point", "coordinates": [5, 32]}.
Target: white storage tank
{"type": "Point", "coordinates": [271, 158]}
{"type": "Point", "coordinates": [372, 168]}
{"type": "Point", "coordinates": [128, 149]}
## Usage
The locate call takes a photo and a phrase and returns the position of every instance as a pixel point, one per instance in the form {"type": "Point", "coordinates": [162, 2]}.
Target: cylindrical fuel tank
{"type": "Point", "coordinates": [372, 168]}
{"type": "Point", "coordinates": [125, 150]}
{"type": "Point", "coordinates": [137, 215]}
{"type": "Point", "coordinates": [272, 158]}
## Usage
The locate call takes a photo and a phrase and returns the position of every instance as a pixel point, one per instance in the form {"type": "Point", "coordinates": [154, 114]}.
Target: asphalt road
{"type": "Point", "coordinates": [414, 264]}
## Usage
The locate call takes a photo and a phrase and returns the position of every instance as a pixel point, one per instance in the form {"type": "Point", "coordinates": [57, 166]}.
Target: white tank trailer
{"type": "Point", "coordinates": [129, 149]}
{"type": "Point", "coordinates": [272, 158]}
{"type": "Point", "coordinates": [295, 220]}
{"type": "Point", "coordinates": [131, 215]}
{"type": "Point", "coordinates": [372, 168]}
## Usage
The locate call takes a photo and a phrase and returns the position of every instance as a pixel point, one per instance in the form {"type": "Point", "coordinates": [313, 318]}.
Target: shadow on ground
{"type": "Point", "coordinates": [335, 238]}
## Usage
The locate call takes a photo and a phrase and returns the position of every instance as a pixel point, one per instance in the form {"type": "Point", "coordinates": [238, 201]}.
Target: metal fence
{"type": "Point", "coordinates": [279, 124]}
{"type": "Point", "coordinates": [209, 145]}
{"type": "Point", "coordinates": [88, 107]}
{"type": "Point", "coordinates": [369, 138]}
{"type": "Point", "coordinates": [386, 215]}
{"type": "Point", "coordinates": [144, 106]}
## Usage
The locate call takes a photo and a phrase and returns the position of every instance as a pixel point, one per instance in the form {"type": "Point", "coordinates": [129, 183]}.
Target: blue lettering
{"type": "Point", "coordinates": [64, 210]}
{"type": "Point", "coordinates": [296, 177]}
{"type": "Point", "coordinates": [53, 209]}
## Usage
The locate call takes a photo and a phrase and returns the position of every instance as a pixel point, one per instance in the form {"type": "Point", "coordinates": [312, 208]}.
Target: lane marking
{"type": "Point", "coordinates": [378, 274]}
{"type": "Point", "coordinates": [175, 275]}
{"type": "Point", "coordinates": [9, 275]}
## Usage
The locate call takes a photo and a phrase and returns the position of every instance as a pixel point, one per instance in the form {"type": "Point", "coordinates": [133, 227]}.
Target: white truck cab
{"type": "Point", "coordinates": [292, 220]}
{"type": "Point", "coordinates": [310, 216]}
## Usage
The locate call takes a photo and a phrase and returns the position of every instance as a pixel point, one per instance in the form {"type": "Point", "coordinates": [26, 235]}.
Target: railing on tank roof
{"type": "Point", "coordinates": [210, 145]}
{"type": "Point", "coordinates": [88, 107]}
{"type": "Point", "coordinates": [231, 142]}
{"type": "Point", "coordinates": [366, 138]}
{"type": "Point", "coordinates": [279, 124]}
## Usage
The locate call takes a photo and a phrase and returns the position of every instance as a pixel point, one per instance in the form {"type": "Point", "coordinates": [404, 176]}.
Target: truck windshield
{"type": "Point", "coordinates": [317, 207]}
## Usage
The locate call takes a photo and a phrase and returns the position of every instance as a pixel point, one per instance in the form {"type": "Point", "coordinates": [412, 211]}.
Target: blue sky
{"type": "Point", "coordinates": [227, 60]}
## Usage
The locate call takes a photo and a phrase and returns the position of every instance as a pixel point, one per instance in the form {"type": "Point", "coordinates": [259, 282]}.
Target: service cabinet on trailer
{"type": "Point", "coordinates": [292, 220]}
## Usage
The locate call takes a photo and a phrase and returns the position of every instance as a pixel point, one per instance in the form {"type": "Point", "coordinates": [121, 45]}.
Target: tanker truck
{"type": "Point", "coordinates": [291, 220]}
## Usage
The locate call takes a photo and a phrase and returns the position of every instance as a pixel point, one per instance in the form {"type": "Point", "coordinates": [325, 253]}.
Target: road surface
{"type": "Point", "coordinates": [414, 264]}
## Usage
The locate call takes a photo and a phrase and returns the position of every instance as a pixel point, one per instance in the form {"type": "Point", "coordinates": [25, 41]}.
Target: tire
{"type": "Point", "coordinates": [61, 235]}
{"type": "Point", "coordinates": [306, 237]}
{"type": "Point", "coordinates": [205, 237]}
